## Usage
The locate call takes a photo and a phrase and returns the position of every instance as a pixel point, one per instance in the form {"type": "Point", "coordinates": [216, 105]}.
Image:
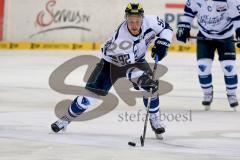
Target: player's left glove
{"type": "Point", "coordinates": [160, 48]}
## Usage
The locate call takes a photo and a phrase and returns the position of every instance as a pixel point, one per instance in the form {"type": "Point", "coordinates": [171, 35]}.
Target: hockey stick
{"type": "Point", "coordinates": [142, 137]}
{"type": "Point", "coordinates": [210, 39]}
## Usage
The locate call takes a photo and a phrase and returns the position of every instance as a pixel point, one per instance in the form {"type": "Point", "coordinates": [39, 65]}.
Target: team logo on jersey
{"type": "Point", "coordinates": [221, 8]}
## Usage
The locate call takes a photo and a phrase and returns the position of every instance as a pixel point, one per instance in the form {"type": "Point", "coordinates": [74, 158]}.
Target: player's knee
{"type": "Point", "coordinates": [141, 79]}
{"type": "Point", "coordinates": [229, 67]}
{"type": "Point", "coordinates": [204, 66]}
{"type": "Point", "coordinates": [133, 74]}
{"type": "Point", "coordinates": [80, 104]}
{"type": "Point", "coordinates": [230, 73]}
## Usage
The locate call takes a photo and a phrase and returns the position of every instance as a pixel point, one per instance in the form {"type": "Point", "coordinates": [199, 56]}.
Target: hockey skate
{"type": "Point", "coordinates": [60, 124]}
{"type": "Point", "coordinates": [156, 125]}
{"type": "Point", "coordinates": [233, 101]}
{"type": "Point", "coordinates": [207, 100]}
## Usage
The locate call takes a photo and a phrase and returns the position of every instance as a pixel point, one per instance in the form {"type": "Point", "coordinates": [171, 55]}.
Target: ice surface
{"type": "Point", "coordinates": [27, 109]}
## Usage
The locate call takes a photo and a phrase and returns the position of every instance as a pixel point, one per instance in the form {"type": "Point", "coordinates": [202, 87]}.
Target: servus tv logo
{"type": "Point", "coordinates": [52, 17]}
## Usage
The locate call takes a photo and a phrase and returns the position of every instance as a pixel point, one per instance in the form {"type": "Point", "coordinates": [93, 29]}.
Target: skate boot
{"type": "Point", "coordinates": [207, 100]}
{"type": "Point", "coordinates": [156, 125]}
{"type": "Point", "coordinates": [233, 101]}
{"type": "Point", "coordinates": [60, 124]}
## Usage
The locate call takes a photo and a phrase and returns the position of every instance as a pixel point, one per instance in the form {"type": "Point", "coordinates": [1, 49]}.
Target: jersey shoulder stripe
{"type": "Point", "coordinates": [147, 31]}
{"type": "Point", "coordinates": [189, 11]}
{"type": "Point", "coordinates": [117, 33]}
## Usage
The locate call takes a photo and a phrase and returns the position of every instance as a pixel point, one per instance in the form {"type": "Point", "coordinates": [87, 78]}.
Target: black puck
{"type": "Point", "coordinates": [132, 144]}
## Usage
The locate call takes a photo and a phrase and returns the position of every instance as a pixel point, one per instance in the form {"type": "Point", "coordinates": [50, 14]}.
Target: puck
{"type": "Point", "coordinates": [132, 144]}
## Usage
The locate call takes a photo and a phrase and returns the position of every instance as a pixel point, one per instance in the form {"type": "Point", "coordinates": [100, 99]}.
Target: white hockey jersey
{"type": "Point", "coordinates": [123, 48]}
{"type": "Point", "coordinates": [216, 18]}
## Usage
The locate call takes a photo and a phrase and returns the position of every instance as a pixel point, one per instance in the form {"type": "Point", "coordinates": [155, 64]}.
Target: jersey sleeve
{"type": "Point", "coordinates": [234, 12]}
{"type": "Point", "coordinates": [190, 11]}
{"type": "Point", "coordinates": [161, 28]}
{"type": "Point", "coordinates": [107, 44]}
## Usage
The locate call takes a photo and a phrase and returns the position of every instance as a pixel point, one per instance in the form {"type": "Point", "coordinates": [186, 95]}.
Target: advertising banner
{"type": "Point", "coordinates": [78, 20]}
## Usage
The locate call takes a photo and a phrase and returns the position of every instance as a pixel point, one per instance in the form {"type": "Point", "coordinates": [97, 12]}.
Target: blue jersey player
{"type": "Point", "coordinates": [217, 20]}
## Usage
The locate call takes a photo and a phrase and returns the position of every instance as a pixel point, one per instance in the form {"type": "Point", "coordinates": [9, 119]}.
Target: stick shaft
{"type": "Point", "coordinates": [148, 104]}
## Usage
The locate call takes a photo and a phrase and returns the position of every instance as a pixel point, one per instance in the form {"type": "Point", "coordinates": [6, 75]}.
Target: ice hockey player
{"type": "Point", "coordinates": [217, 20]}
{"type": "Point", "coordinates": [124, 56]}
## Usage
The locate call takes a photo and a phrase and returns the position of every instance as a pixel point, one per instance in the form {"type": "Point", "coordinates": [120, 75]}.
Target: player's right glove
{"type": "Point", "coordinates": [146, 83]}
{"type": "Point", "coordinates": [183, 32]}
{"type": "Point", "coordinates": [160, 48]}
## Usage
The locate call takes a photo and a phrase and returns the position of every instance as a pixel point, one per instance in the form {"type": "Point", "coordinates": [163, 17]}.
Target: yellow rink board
{"type": "Point", "coordinates": [186, 48]}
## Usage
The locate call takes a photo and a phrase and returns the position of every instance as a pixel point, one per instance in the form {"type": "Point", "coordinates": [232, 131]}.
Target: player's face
{"type": "Point", "coordinates": [134, 23]}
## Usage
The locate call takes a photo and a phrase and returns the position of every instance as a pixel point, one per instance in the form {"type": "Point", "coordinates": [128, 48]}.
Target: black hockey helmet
{"type": "Point", "coordinates": [134, 9]}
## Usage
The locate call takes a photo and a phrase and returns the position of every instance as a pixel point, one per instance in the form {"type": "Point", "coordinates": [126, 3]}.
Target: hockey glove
{"type": "Point", "coordinates": [183, 32]}
{"type": "Point", "coordinates": [160, 48]}
{"type": "Point", "coordinates": [146, 83]}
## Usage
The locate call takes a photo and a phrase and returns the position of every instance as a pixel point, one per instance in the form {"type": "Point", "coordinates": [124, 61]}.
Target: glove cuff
{"type": "Point", "coordinates": [162, 42]}
{"type": "Point", "coordinates": [184, 25]}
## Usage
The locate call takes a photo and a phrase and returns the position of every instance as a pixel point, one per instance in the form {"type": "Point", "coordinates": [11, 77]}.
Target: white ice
{"type": "Point", "coordinates": [27, 109]}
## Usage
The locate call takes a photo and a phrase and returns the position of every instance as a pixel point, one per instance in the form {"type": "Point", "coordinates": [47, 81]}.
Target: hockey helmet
{"type": "Point", "coordinates": [134, 9]}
